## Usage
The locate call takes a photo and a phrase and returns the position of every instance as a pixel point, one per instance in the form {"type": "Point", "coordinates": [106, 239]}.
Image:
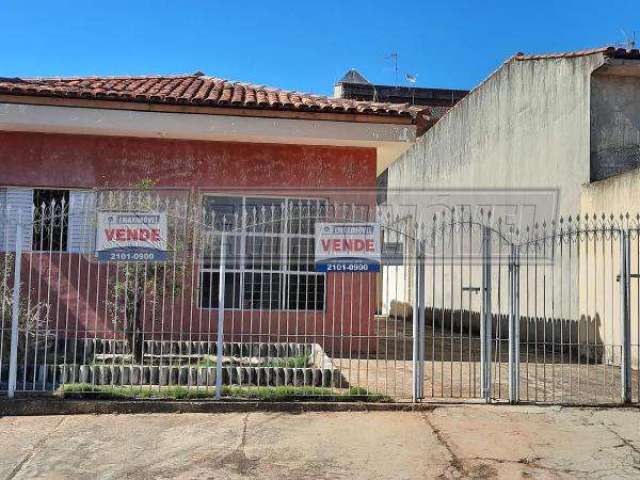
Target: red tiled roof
{"type": "Point", "coordinates": [434, 112]}
{"type": "Point", "coordinates": [196, 89]}
{"type": "Point", "coordinates": [611, 52]}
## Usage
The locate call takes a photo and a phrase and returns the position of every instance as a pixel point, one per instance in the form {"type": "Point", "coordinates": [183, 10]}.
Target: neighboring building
{"type": "Point", "coordinates": [434, 102]}
{"type": "Point", "coordinates": [568, 122]}
{"type": "Point", "coordinates": [556, 121]}
{"type": "Point", "coordinates": [212, 140]}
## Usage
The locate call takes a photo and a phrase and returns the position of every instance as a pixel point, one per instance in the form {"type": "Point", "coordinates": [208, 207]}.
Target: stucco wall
{"type": "Point", "coordinates": [619, 195]}
{"type": "Point", "coordinates": [74, 161]}
{"type": "Point", "coordinates": [615, 124]}
{"type": "Point", "coordinates": [615, 195]}
{"type": "Point", "coordinates": [527, 126]}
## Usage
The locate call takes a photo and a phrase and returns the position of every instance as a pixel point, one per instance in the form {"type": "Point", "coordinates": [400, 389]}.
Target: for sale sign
{"type": "Point", "coordinates": [132, 237]}
{"type": "Point", "coordinates": [347, 247]}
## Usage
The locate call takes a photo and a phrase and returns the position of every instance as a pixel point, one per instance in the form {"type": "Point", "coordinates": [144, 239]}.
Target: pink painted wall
{"type": "Point", "coordinates": [72, 284]}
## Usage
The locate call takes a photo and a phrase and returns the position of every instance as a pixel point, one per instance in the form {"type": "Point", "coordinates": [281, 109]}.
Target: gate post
{"type": "Point", "coordinates": [220, 333]}
{"type": "Point", "coordinates": [625, 318]}
{"type": "Point", "coordinates": [485, 321]}
{"type": "Point", "coordinates": [15, 311]}
{"type": "Point", "coordinates": [418, 327]}
{"type": "Point", "coordinates": [421, 317]}
{"type": "Point", "coordinates": [514, 326]}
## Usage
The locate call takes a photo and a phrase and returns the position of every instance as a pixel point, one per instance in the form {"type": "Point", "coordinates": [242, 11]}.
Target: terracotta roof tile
{"type": "Point", "coordinates": [611, 52]}
{"type": "Point", "coordinates": [196, 89]}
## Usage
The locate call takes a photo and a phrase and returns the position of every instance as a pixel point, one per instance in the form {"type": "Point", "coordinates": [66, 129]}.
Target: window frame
{"type": "Point", "coordinates": [65, 226]}
{"type": "Point", "coordinates": [284, 272]}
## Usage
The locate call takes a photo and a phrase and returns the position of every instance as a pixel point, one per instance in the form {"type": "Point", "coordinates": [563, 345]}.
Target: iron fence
{"type": "Point", "coordinates": [463, 307]}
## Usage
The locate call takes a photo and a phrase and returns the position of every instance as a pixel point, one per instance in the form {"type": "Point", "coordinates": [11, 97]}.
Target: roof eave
{"type": "Point", "coordinates": [136, 104]}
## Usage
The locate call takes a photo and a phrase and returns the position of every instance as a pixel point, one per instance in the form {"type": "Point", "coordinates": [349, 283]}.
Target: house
{"type": "Point", "coordinates": [433, 102]}
{"type": "Point", "coordinates": [210, 142]}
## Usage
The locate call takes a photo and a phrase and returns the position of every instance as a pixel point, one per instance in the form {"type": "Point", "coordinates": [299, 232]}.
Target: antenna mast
{"type": "Point", "coordinates": [394, 59]}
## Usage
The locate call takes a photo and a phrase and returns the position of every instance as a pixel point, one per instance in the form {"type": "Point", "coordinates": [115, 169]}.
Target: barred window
{"type": "Point", "coordinates": [269, 254]}
{"type": "Point", "coordinates": [51, 220]}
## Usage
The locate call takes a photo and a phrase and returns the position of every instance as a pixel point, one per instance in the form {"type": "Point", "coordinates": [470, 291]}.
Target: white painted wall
{"type": "Point", "coordinates": [527, 126]}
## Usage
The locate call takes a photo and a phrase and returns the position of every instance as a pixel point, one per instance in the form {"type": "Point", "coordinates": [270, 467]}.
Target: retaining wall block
{"type": "Point", "coordinates": [288, 376]}
{"type": "Point", "coordinates": [192, 376]}
{"type": "Point", "coordinates": [327, 377]}
{"type": "Point", "coordinates": [103, 375]}
{"type": "Point", "coordinates": [254, 373]}
{"type": "Point", "coordinates": [262, 376]}
{"type": "Point", "coordinates": [272, 378]}
{"type": "Point", "coordinates": [125, 374]}
{"type": "Point", "coordinates": [164, 376]}
{"type": "Point", "coordinates": [135, 375]}
{"type": "Point", "coordinates": [85, 374]}
{"type": "Point", "coordinates": [316, 374]}
{"type": "Point", "coordinates": [173, 375]}
{"type": "Point", "coordinates": [114, 373]}
{"type": "Point", "coordinates": [212, 376]}
{"type": "Point", "coordinates": [229, 376]}
{"type": "Point", "coordinates": [298, 377]}
{"type": "Point", "coordinates": [307, 376]}
{"type": "Point", "coordinates": [146, 375]}
{"type": "Point", "coordinates": [201, 376]}
{"type": "Point", "coordinates": [154, 375]}
{"type": "Point", "coordinates": [68, 373]}
{"type": "Point", "coordinates": [242, 375]}
{"type": "Point", "coordinates": [183, 375]}
{"type": "Point", "coordinates": [279, 374]}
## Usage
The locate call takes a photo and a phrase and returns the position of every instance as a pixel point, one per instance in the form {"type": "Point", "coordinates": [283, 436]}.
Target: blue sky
{"type": "Point", "coordinates": [299, 45]}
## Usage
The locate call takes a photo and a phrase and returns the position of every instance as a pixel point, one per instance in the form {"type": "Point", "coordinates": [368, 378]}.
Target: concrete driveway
{"type": "Point", "coordinates": [471, 441]}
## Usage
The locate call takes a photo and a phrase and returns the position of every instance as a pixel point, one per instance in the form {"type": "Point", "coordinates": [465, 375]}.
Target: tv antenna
{"type": "Point", "coordinates": [629, 40]}
{"type": "Point", "coordinates": [412, 78]}
{"type": "Point", "coordinates": [394, 58]}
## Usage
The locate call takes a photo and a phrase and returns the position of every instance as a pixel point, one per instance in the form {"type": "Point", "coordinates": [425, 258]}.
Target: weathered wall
{"type": "Point", "coordinates": [527, 126]}
{"type": "Point", "coordinates": [69, 161]}
{"type": "Point", "coordinates": [615, 195]}
{"type": "Point", "coordinates": [615, 124]}
{"type": "Point", "coordinates": [619, 195]}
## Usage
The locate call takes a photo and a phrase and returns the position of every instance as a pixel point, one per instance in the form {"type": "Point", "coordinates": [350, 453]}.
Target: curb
{"type": "Point", "coordinates": [48, 406]}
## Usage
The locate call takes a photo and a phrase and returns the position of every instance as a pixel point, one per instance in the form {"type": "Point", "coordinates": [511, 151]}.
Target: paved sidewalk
{"type": "Point", "coordinates": [470, 441]}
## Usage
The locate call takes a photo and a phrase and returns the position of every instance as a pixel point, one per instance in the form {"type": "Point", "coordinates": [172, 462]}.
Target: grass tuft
{"type": "Point", "coordinates": [266, 394]}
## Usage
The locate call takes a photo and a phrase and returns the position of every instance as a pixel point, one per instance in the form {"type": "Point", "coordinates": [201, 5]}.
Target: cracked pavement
{"type": "Point", "coordinates": [450, 442]}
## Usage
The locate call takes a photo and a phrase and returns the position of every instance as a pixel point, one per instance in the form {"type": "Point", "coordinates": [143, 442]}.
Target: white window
{"type": "Point", "coordinates": [269, 254]}
{"type": "Point", "coordinates": [48, 224]}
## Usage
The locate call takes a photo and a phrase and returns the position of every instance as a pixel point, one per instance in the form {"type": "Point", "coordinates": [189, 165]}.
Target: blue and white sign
{"type": "Point", "coordinates": [131, 237]}
{"type": "Point", "coordinates": [347, 247]}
